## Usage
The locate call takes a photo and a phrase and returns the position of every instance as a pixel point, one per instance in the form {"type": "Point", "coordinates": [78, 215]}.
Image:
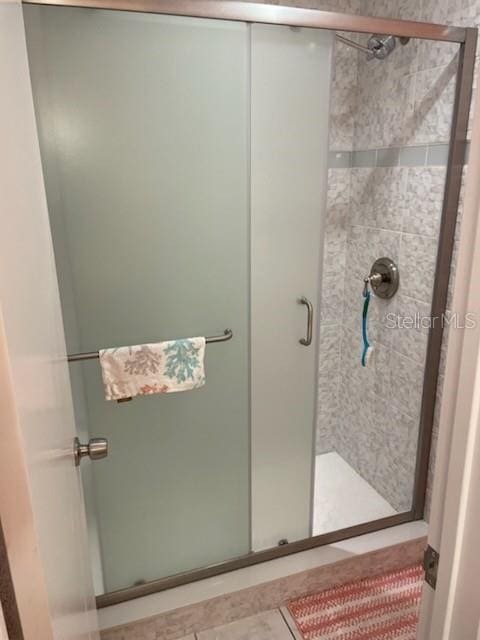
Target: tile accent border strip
{"type": "Point", "coordinates": [415, 156]}
{"type": "Point", "coordinates": [220, 610]}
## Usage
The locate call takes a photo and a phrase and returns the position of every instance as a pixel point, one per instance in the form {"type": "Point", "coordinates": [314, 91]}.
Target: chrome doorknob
{"type": "Point", "coordinates": [96, 449]}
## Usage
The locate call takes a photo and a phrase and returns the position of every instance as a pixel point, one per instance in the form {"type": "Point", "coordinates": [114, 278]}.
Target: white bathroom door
{"type": "Point", "coordinates": [35, 400]}
{"type": "Point", "coordinates": [291, 71]}
{"type": "Point", "coordinates": [452, 610]}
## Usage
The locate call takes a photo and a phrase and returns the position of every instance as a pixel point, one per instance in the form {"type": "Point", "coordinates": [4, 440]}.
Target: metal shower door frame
{"type": "Point", "coordinates": [466, 38]}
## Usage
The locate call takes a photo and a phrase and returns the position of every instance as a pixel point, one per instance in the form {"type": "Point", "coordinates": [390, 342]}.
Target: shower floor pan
{"type": "Point", "coordinates": [342, 498]}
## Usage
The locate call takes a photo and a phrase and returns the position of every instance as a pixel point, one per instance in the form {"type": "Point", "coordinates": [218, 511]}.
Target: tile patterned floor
{"type": "Point", "coordinates": [276, 624]}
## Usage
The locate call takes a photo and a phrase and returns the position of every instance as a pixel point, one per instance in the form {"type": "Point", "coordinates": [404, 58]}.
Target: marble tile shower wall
{"type": "Point", "coordinates": [371, 416]}
{"type": "Point", "coordinates": [393, 212]}
{"type": "Point", "coordinates": [341, 138]}
{"type": "Point", "coordinates": [401, 103]}
{"type": "Point", "coordinates": [406, 100]}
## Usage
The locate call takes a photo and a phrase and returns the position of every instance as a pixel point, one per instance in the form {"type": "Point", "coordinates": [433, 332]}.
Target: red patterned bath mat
{"type": "Point", "coordinates": [381, 608]}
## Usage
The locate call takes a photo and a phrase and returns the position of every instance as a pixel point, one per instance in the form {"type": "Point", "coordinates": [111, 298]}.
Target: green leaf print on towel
{"type": "Point", "coordinates": [182, 360]}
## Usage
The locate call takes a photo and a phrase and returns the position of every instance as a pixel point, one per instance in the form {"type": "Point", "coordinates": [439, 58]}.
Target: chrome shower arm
{"type": "Point", "coordinates": [353, 44]}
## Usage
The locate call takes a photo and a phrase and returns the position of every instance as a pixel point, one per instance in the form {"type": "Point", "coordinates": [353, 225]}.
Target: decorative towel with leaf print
{"type": "Point", "coordinates": [165, 367]}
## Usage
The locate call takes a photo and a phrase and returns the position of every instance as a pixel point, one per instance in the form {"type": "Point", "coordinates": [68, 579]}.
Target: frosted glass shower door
{"type": "Point", "coordinates": [145, 143]}
{"type": "Point", "coordinates": [291, 75]}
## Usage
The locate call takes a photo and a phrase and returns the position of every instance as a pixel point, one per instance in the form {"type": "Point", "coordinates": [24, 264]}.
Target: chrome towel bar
{"type": "Point", "coordinates": [92, 355]}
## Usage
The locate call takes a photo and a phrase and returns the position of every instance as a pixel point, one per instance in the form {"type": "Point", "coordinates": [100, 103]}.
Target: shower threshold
{"type": "Point", "coordinates": [342, 498]}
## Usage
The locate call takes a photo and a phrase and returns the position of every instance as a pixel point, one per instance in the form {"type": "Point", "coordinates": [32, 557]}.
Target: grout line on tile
{"type": "Point", "coordinates": [290, 623]}
{"type": "Point", "coordinates": [417, 300]}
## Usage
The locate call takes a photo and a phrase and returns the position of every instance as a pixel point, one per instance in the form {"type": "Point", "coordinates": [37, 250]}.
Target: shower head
{"type": "Point", "coordinates": [378, 46]}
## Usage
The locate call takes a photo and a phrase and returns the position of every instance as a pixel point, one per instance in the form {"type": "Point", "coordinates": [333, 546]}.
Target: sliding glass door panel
{"type": "Point", "coordinates": [144, 122]}
{"type": "Point", "coordinates": [291, 76]}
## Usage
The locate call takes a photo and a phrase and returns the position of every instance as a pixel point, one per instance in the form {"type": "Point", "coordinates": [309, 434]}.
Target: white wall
{"type": "Point", "coordinates": [35, 400]}
{"type": "Point", "coordinates": [51, 172]}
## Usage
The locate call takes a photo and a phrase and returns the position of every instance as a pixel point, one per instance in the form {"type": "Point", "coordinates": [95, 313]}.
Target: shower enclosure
{"type": "Point", "coordinates": [236, 171]}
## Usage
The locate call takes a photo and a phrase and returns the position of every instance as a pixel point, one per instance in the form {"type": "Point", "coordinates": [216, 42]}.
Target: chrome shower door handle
{"type": "Point", "coordinates": [308, 339]}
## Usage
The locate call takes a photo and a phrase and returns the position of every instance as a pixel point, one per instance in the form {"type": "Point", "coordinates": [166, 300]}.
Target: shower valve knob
{"type": "Point", "coordinates": [374, 280]}
{"type": "Point", "coordinates": [384, 278]}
